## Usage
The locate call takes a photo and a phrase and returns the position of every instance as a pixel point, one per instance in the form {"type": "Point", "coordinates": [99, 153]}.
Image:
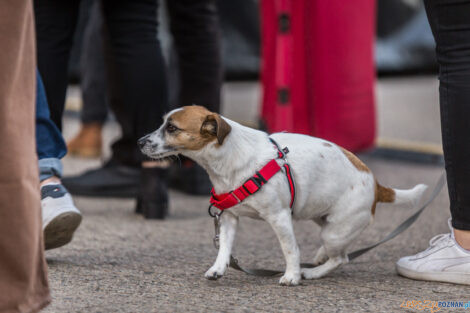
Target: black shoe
{"type": "Point", "coordinates": [111, 180]}
{"type": "Point", "coordinates": [190, 178]}
{"type": "Point", "coordinates": [152, 201]}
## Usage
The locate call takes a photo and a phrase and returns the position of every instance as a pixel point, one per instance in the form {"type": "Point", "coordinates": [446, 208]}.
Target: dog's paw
{"type": "Point", "coordinates": [214, 273]}
{"type": "Point", "coordinates": [290, 279]}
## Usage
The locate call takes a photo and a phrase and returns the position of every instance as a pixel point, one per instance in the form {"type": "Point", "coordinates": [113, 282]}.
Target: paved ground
{"type": "Point", "coordinates": [119, 262]}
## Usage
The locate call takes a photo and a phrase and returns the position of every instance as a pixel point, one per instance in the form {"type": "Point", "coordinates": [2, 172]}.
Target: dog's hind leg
{"type": "Point", "coordinates": [282, 226]}
{"type": "Point", "coordinates": [228, 228]}
{"type": "Point", "coordinates": [320, 256]}
{"type": "Point", "coordinates": [337, 234]}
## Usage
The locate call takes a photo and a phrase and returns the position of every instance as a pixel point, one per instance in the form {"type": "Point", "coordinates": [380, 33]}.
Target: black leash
{"type": "Point", "coordinates": [351, 256]}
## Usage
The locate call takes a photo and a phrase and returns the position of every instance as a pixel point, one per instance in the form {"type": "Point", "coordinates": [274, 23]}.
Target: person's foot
{"type": "Point", "coordinates": [189, 177]}
{"type": "Point", "coordinates": [152, 201]}
{"type": "Point", "coordinates": [60, 217]}
{"type": "Point", "coordinates": [111, 180]}
{"type": "Point", "coordinates": [443, 261]}
{"type": "Point", "coordinates": [87, 143]}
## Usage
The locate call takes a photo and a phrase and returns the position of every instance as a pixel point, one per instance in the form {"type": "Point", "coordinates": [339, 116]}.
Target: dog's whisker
{"type": "Point", "coordinates": [179, 160]}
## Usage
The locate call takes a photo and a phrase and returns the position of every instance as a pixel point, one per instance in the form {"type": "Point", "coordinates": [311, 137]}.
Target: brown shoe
{"type": "Point", "coordinates": [87, 143]}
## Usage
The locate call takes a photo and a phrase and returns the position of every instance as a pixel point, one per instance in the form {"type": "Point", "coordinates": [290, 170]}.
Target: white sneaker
{"type": "Point", "coordinates": [60, 217]}
{"type": "Point", "coordinates": [443, 261]}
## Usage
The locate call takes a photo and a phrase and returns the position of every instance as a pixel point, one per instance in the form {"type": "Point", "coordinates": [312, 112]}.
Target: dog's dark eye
{"type": "Point", "coordinates": [171, 128]}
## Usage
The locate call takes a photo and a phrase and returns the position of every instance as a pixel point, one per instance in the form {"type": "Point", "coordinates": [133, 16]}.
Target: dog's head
{"type": "Point", "coordinates": [189, 128]}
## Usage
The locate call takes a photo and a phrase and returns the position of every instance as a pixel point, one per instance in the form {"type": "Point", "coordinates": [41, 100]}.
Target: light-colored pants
{"type": "Point", "coordinates": [23, 275]}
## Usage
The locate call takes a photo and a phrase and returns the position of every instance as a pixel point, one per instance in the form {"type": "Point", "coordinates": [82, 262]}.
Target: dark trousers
{"type": "Point", "coordinates": [135, 71]}
{"type": "Point", "coordinates": [93, 71]}
{"type": "Point", "coordinates": [450, 23]}
{"type": "Point", "coordinates": [194, 26]}
{"type": "Point", "coordinates": [196, 33]}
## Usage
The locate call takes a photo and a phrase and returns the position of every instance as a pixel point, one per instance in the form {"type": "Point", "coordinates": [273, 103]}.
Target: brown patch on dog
{"type": "Point", "coordinates": [326, 144]}
{"type": "Point", "coordinates": [385, 194]}
{"type": "Point", "coordinates": [382, 194]}
{"type": "Point", "coordinates": [355, 161]}
{"type": "Point", "coordinates": [197, 127]}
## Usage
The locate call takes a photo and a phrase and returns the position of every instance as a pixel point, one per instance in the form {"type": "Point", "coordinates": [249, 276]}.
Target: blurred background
{"type": "Point", "coordinates": [373, 90]}
{"type": "Point", "coordinates": [406, 87]}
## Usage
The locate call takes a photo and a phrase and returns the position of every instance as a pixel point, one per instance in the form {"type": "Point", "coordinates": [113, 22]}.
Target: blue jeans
{"type": "Point", "coordinates": [50, 144]}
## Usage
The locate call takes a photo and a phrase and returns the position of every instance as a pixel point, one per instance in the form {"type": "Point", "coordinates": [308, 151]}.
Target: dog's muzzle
{"type": "Point", "coordinates": [142, 142]}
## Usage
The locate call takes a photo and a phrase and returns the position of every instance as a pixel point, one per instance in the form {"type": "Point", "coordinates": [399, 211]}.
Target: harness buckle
{"type": "Point", "coordinates": [255, 180]}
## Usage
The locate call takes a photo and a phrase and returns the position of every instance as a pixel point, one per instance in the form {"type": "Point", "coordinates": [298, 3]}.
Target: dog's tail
{"type": "Point", "coordinates": [409, 197]}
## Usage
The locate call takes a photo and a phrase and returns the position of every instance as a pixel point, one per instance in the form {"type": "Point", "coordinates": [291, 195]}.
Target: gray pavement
{"type": "Point", "coordinates": [119, 262]}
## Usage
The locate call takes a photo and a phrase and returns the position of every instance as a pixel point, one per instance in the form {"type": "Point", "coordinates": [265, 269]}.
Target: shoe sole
{"type": "Point", "coordinates": [446, 277]}
{"type": "Point", "coordinates": [59, 231]}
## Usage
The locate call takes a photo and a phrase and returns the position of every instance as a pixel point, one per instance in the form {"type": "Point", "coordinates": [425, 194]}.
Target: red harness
{"type": "Point", "coordinates": [253, 184]}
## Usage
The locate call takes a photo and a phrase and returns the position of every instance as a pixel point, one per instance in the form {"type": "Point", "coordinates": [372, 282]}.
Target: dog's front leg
{"type": "Point", "coordinates": [282, 225]}
{"type": "Point", "coordinates": [228, 228]}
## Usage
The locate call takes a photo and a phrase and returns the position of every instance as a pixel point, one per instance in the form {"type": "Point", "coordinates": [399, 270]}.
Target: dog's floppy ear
{"type": "Point", "coordinates": [214, 125]}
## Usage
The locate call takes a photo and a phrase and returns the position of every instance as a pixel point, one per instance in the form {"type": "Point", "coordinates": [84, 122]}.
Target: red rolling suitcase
{"type": "Point", "coordinates": [317, 69]}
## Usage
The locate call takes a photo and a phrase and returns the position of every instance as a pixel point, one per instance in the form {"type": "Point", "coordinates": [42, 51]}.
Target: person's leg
{"type": "Point", "coordinates": [138, 96]}
{"type": "Point", "coordinates": [23, 273]}
{"type": "Point", "coordinates": [60, 217]}
{"type": "Point", "coordinates": [196, 32]}
{"type": "Point", "coordinates": [138, 92]}
{"type": "Point", "coordinates": [136, 76]}
{"type": "Point", "coordinates": [450, 23]}
{"type": "Point", "coordinates": [88, 143]}
{"type": "Point", "coordinates": [50, 145]}
{"type": "Point", "coordinates": [93, 83]}
{"type": "Point", "coordinates": [55, 27]}
{"type": "Point", "coordinates": [120, 176]}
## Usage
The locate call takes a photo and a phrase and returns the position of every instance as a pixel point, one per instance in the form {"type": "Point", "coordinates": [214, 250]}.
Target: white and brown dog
{"type": "Point", "coordinates": [333, 187]}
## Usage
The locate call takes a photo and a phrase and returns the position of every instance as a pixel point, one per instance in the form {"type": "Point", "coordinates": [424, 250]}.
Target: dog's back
{"type": "Point", "coordinates": [327, 174]}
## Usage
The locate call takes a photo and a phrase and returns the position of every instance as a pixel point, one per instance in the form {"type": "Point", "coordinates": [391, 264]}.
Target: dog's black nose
{"type": "Point", "coordinates": [142, 141]}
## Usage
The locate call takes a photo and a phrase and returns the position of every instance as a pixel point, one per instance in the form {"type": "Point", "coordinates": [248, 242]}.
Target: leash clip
{"type": "Point", "coordinates": [212, 213]}
{"type": "Point", "coordinates": [216, 217]}
{"type": "Point", "coordinates": [216, 238]}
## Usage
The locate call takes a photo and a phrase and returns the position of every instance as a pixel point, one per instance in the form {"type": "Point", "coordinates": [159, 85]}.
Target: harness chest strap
{"type": "Point", "coordinates": [254, 183]}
